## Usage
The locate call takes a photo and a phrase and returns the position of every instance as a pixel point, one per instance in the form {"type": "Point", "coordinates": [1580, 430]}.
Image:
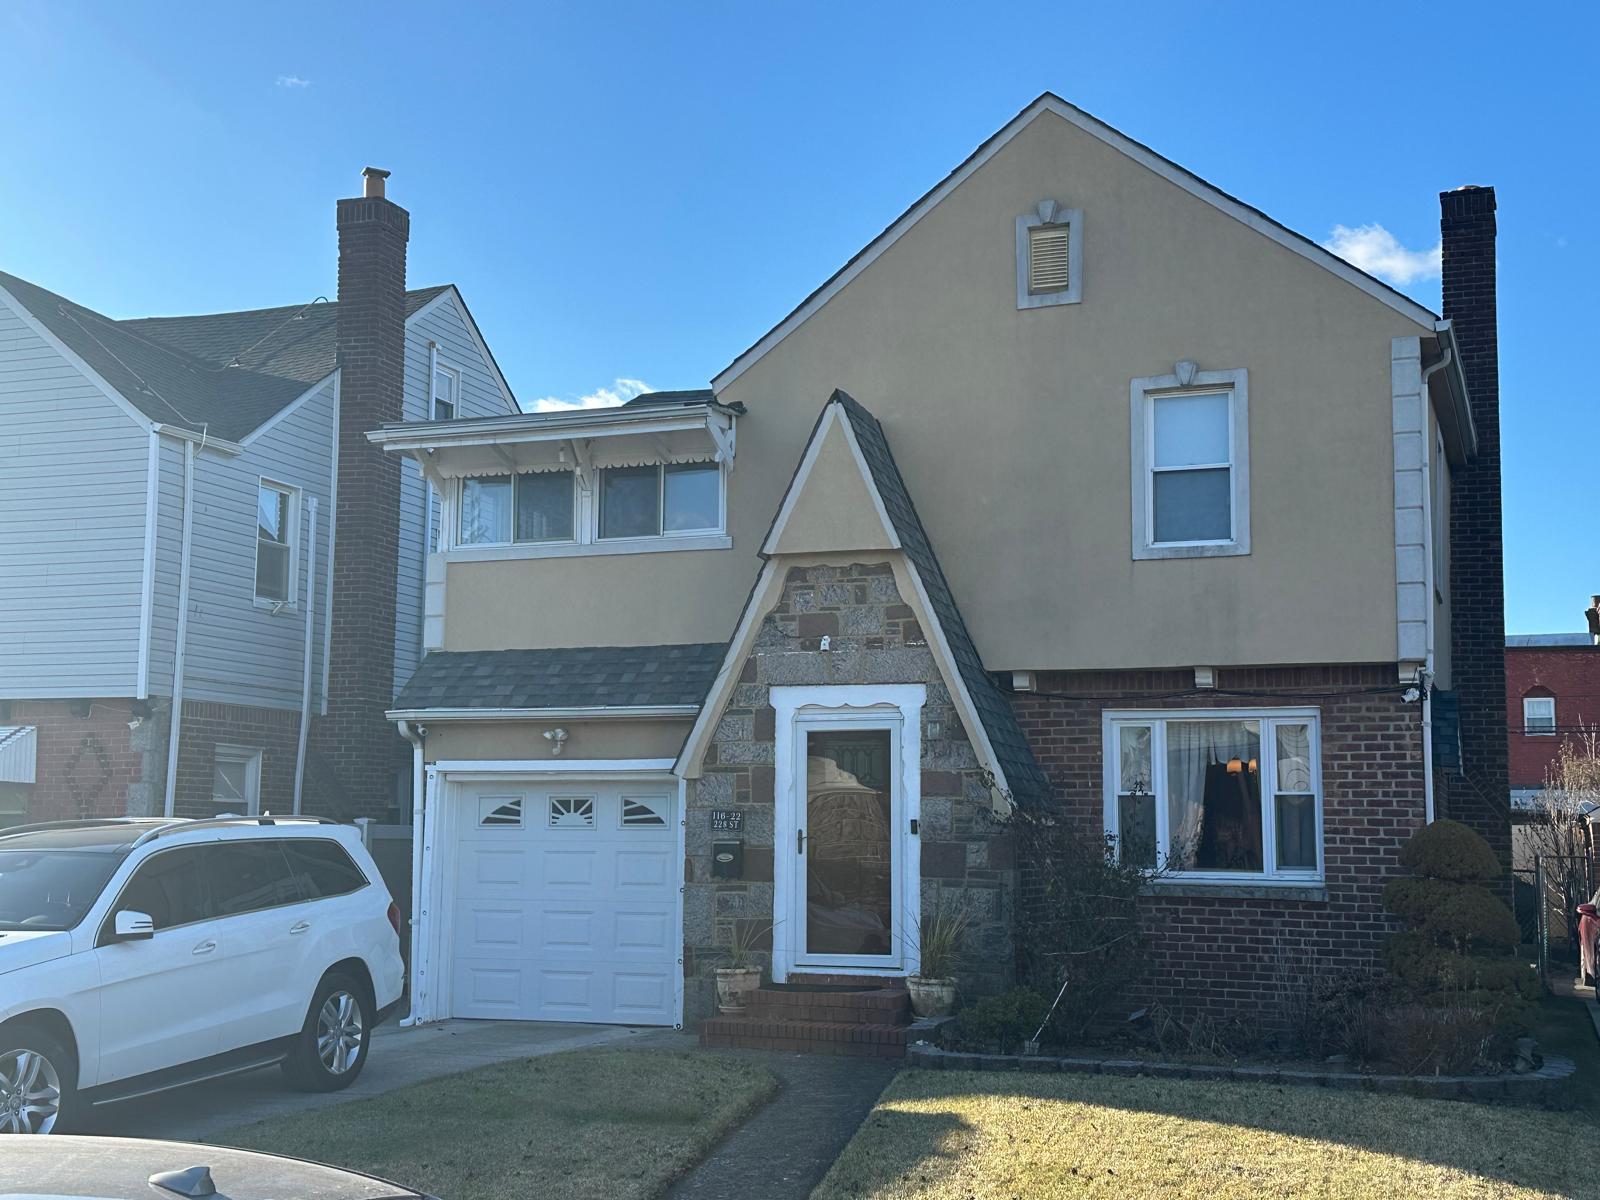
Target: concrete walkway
{"type": "Point", "coordinates": [783, 1152]}
{"type": "Point", "coordinates": [398, 1057]}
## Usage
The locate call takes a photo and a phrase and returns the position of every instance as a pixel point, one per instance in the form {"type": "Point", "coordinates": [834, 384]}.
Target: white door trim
{"type": "Point", "coordinates": [897, 707]}
{"type": "Point", "coordinates": [432, 906]}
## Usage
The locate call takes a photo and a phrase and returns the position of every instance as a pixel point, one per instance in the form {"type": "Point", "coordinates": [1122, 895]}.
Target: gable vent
{"type": "Point", "coordinates": [1048, 262]}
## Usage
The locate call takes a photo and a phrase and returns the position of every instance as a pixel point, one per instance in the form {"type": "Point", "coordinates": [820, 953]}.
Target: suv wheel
{"type": "Point", "coordinates": [34, 1092]}
{"type": "Point", "coordinates": [331, 1047]}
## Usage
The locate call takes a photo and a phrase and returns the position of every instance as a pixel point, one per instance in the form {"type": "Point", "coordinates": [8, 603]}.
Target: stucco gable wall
{"type": "Point", "coordinates": [1012, 427]}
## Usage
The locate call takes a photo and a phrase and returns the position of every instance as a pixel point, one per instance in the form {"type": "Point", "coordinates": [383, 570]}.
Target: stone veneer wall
{"type": "Point", "coordinates": [1237, 952]}
{"type": "Point", "coordinates": [874, 637]}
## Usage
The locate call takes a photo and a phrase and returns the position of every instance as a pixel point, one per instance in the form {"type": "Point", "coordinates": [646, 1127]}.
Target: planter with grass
{"type": "Point", "coordinates": [933, 987]}
{"type": "Point", "coordinates": [737, 981]}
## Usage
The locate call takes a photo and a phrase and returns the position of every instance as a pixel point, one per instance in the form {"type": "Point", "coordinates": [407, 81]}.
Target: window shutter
{"type": "Point", "coordinates": [1048, 265]}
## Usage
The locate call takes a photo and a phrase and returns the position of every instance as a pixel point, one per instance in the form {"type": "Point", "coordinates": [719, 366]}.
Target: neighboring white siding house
{"type": "Point", "coordinates": [73, 472]}
{"type": "Point", "coordinates": [443, 324]}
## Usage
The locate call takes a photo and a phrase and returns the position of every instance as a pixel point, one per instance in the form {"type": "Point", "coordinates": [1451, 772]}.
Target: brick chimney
{"type": "Point", "coordinates": [1477, 578]}
{"type": "Point", "coordinates": [361, 754]}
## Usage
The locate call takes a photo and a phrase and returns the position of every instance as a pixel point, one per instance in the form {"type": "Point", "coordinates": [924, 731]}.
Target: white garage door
{"type": "Point", "coordinates": [565, 904]}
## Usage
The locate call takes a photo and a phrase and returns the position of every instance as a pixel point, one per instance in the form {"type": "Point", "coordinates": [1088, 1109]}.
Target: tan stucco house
{"type": "Point", "coordinates": [1083, 485]}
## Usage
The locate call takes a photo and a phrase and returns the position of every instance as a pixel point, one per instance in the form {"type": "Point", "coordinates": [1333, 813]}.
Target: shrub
{"type": "Point", "coordinates": [1008, 1019]}
{"type": "Point", "coordinates": [1342, 1013]}
{"type": "Point", "coordinates": [1450, 850]}
{"type": "Point", "coordinates": [1463, 916]}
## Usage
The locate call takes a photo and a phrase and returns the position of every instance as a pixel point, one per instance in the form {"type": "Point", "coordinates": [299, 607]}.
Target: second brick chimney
{"type": "Point", "coordinates": [1477, 559]}
{"type": "Point", "coordinates": [360, 753]}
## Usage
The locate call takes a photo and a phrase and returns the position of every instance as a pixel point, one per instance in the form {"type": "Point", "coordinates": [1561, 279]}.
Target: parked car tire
{"type": "Point", "coordinates": [331, 1048]}
{"type": "Point", "coordinates": [37, 1076]}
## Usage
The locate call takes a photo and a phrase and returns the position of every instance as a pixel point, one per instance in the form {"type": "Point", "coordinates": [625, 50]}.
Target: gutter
{"type": "Point", "coordinates": [1460, 402]}
{"type": "Point", "coordinates": [175, 729]}
{"type": "Point", "coordinates": [414, 734]}
{"type": "Point", "coordinates": [598, 712]}
{"type": "Point", "coordinates": [198, 437]}
{"type": "Point", "coordinates": [310, 639]}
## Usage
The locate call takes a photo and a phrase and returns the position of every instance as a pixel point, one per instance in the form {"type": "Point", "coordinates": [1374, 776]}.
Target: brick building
{"type": "Point", "coordinates": [1552, 696]}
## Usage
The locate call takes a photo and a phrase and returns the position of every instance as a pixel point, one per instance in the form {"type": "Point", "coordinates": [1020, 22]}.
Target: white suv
{"type": "Point", "coordinates": [136, 956]}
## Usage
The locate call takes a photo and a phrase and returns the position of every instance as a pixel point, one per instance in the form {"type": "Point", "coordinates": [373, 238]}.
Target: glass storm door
{"type": "Point", "coordinates": [847, 842]}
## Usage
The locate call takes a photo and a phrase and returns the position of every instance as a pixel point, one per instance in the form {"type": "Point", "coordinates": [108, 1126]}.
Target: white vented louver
{"type": "Point", "coordinates": [1049, 260]}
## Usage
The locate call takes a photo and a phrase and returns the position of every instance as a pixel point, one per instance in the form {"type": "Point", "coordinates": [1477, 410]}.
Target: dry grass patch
{"type": "Point", "coordinates": [600, 1124]}
{"type": "Point", "coordinates": [959, 1136]}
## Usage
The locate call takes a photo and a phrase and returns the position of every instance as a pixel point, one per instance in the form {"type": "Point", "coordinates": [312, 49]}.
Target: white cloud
{"type": "Point", "coordinates": [293, 81]}
{"type": "Point", "coordinates": [620, 392]}
{"type": "Point", "coordinates": [1377, 251]}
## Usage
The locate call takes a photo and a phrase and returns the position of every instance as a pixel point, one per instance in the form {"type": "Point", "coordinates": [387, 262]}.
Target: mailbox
{"type": "Point", "coordinates": [727, 860]}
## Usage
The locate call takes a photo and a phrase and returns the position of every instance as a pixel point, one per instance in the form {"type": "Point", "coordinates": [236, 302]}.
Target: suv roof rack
{"type": "Point", "coordinates": [183, 824]}
{"type": "Point", "coordinates": [76, 823]}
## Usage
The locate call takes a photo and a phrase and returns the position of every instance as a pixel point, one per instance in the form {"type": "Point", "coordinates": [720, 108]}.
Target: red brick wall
{"type": "Point", "coordinates": [1235, 955]}
{"type": "Point", "coordinates": [1569, 673]}
{"type": "Point", "coordinates": [94, 765]}
{"type": "Point", "coordinates": [275, 732]}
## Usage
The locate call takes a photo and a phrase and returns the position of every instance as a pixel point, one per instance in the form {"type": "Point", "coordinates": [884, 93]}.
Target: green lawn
{"type": "Point", "coordinates": [969, 1136]}
{"type": "Point", "coordinates": [599, 1124]}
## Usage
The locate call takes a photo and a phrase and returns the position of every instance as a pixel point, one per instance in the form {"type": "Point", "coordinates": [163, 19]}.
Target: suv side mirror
{"type": "Point", "coordinates": [130, 926]}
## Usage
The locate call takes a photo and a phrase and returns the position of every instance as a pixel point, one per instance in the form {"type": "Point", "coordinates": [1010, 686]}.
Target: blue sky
{"type": "Point", "coordinates": [603, 181]}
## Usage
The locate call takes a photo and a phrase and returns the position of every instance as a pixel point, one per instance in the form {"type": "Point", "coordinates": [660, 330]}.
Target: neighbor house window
{"type": "Point", "coordinates": [236, 780]}
{"type": "Point", "coordinates": [1216, 795]}
{"type": "Point", "coordinates": [1190, 434]}
{"type": "Point", "coordinates": [276, 522]}
{"type": "Point", "coordinates": [532, 507]}
{"type": "Point", "coordinates": [1539, 715]}
{"type": "Point", "coordinates": [654, 501]}
{"type": "Point", "coordinates": [446, 393]}
{"type": "Point", "coordinates": [1049, 256]}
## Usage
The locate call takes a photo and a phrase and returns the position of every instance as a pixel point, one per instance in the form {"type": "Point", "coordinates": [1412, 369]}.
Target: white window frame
{"type": "Point", "coordinates": [292, 586]}
{"type": "Point", "coordinates": [661, 505]}
{"type": "Point", "coordinates": [1529, 703]}
{"type": "Point", "coordinates": [586, 522]}
{"type": "Point", "coordinates": [454, 376]}
{"type": "Point", "coordinates": [1187, 380]}
{"type": "Point", "coordinates": [1114, 720]}
{"type": "Point", "coordinates": [1050, 212]}
{"type": "Point", "coordinates": [250, 757]}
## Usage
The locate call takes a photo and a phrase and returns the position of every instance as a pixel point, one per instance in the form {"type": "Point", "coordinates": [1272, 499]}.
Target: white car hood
{"type": "Point", "coordinates": [29, 947]}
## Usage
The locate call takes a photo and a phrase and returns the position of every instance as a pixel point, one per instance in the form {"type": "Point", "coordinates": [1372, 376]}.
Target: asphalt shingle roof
{"type": "Point", "coordinates": [581, 677]}
{"type": "Point", "coordinates": [1027, 782]}
{"type": "Point", "coordinates": [225, 372]}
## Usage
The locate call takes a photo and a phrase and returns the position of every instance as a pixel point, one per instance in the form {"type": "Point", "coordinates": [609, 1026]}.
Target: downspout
{"type": "Point", "coordinates": [305, 685]}
{"type": "Point", "coordinates": [1431, 585]}
{"type": "Point", "coordinates": [176, 727]}
{"type": "Point", "coordinates": [414, 734]}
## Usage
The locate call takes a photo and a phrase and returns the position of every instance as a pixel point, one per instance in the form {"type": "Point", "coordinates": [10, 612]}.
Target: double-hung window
{"type": "Point", "coordinates": [1539, 715]}
{"type": "Point", "coordinates": [1219, 795]}
{"type": "Point", "coordinates": [660, 501]}
{"type": "Point", "coordinates": [535, 506]}
{"type": "Point", "coordinates": [1191, 473]}
{"type": "Point", "coordinates": [446, 393]}
{"type": "Point", "coordinates": [277, 513]}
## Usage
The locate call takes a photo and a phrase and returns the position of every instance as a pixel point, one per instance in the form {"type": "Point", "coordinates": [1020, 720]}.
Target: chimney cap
{"type": "Point", "coordinates": [374, 177]}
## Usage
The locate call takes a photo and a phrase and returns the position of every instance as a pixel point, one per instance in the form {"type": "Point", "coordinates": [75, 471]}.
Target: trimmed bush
{"type": "Point", "coordinates": [1463, 916]}
{"type": "Point", "coordinates": [1008, 1019]}
{"type": "Point", "coordinates": [1450, 850]}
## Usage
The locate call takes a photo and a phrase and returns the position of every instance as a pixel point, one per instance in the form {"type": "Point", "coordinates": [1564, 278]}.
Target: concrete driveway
{"type": "Point", "coordinates": [397, 1057]}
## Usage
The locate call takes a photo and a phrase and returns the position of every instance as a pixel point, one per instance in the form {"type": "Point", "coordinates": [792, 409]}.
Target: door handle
{"type": "Point", "coordinates": [799, 841]}
{"type": "Point", "coordinates": [300, 927]}
{"type": "Point", "coordinates": [205, 947]}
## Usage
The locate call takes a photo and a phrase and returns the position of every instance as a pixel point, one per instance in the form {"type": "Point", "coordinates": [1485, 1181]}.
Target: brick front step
{"type": "Point", "coordinates": [806, 1037]}
{"type": "Point", "coordinates": [880, 1006]}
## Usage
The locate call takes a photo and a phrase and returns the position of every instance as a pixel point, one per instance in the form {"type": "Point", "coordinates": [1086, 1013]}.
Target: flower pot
{"type": "Point", "coordinates": [734, 985]}
{"type": "Point", "coordinates": [931, 997]}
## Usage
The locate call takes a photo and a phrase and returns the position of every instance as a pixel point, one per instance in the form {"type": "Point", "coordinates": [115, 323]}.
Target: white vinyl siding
{"type": "Point", "coordinates": [241, 651]}
{"type": "Point", "coordinates": [478, 395]}
{"type": "Point", "coordinates": [72, 526]}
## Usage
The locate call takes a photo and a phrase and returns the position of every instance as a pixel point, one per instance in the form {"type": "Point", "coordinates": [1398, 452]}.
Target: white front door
{"type": "Point", "coordinates": [848, 800]}
{"type": "Point", "coordinates": [564, 903]}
